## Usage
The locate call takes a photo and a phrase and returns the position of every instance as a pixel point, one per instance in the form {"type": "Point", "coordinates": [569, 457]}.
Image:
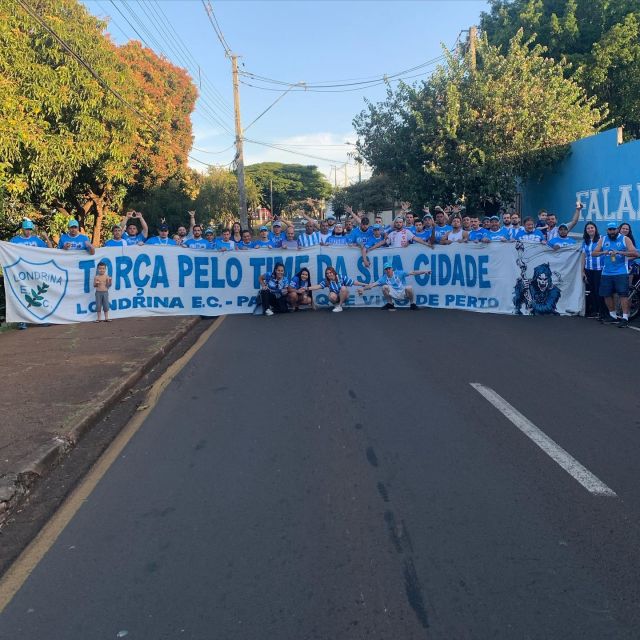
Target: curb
{"type": "Point", "coordinates": [16, 485]}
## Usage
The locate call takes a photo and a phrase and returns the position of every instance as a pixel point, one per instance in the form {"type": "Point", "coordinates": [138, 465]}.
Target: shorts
{"type": "Point", "coordinates": [398, 294]}
{"type": "Point", "coordinates": [614, 284]}
{"type": "Point", "coordinates": [102, 301]}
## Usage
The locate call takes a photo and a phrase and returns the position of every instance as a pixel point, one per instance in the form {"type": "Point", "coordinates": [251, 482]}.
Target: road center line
{"type": "Point", "coordinates": [590, 482]}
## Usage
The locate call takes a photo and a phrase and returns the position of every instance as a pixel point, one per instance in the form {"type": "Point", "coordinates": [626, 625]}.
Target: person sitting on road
{"type": "Point", "coordinates": [563, 239]}
{"type": "Point", "coordinates": [274, 288]}
{"type": "Point", "coordinates": [290, 241]}
{"type": "Point", "coordinates": [131, 234]}
{"type": "Point", "coordinates": [162, 239]}
{"type": "Point", "coordinates": [394, 287]}
{"type": "Point", "coordinates": [29, 239]}
{"type": "Point", "coordinates": [263, 241]}
{"type": "Point", "coordinates": [300, 289]}
{"type": "Point", "coordinates": [73, 240]}
{"type": "Point", "coordinates": [338, 286]}
{"type": "Point", "coordinates": [530, 233]}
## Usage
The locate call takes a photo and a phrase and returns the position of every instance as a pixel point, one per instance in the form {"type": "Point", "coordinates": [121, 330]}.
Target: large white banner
{"type": "Point", "coordinates": [51, 285]}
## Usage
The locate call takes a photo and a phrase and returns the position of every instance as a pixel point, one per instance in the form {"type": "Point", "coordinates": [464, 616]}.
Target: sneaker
{"type": "Point", "coordinates": [392, 307]}
{"type": "Point", "coordinates": [337, 309]}
{"type": "Point", "coordinates": [622, 323]}
{"type": "Point", "coordinates": [268, 312]}
{"type": "Point", "coordinates": [413, 306]}
{"type": "Point", "coordinates": [610, 320]}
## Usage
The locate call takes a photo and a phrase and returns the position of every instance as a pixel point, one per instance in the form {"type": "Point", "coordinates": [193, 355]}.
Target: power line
{"type": "Point", "coordinates": [297, 153]}
{"type": "Point", "coordinates": [216, 27]}
{"type": "Point", "coordinates": [214, 152]}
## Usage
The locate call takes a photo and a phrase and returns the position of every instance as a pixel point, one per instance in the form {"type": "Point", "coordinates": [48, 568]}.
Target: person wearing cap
{"type": "Point", "coordinates": [198, 241]}
{"type": "Point", "coordinates": [401, 237]}
{"type": "Point", "coordinates": [131, 234]}
{"type": "Point", "coordinates": [116, 240]}
{"type": "Point", "coordinates": [73, 240]}
{"type": "Point", "coordinates": [331, 221]}
{"type": "Point", "coordinates": [338, 237]}
{"type": "Point", "coordinates": [563, 239]}
{"type": "Point", "coordinates": [28, 238]}
{"type": "Point", "coordinates": [276, 236]}
{"type": "Point", "coordinates": [246, 243]}
{"type": "Point", "coordinates": [385, 227]}
{"type": "Point", "coordinates": [210, 236]}
{"type": "Point", "coordinates": [310, 237]}
{"type": "Point", "coordinates": [529, 233]}
{"type": "Point", "coordinates": [263, 241]}
{"type": "Point", "coordinates": [615, 248]}
{"type": "Point", "coordinates": [496, 233]}
{"type": "Point", "coordinates": [394, 287]}
{"type": "Point", "coordinates": [162, 239]}
{"type": "Point", "coordinates": [441, 228]}
{"type": "Point", "coordinates": [553, 231]}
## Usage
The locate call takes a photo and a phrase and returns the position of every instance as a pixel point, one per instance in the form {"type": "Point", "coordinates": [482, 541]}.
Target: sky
{"type": "Point", "coordinates": [321, 42]}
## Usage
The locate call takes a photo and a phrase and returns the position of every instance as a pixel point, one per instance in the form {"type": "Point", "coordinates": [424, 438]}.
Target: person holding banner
{"type": "Point", "coordinates": [476, 232]}
{"type": "Point", "coordinates": [29, 239]}
{"type": "Point", "coordinates": [457, 233]}
{"type": "Point", "coordinates": [530, 233]}
{"type": "Point", "coordinates": [274, 288]}
{"type": "Point", "coordinates": [225, 243]}
{"type": "Point", "coordinates": [276, 236]}
{"type": "Point", "coordinates": [131, 235]}
{"type": "Point", "coordinates": [197, 241]}
{"type": "Point", "coordinates": [310, 237]}
{"type": "Point", "coordinates": [562, 239]}
{"type": "Point", "coordinates": [394, 287]}
{"type": "Point", "coordinates": [73, 240]}
{"type": "Point", "coordinates": [338, 237]}
{"type": "Point", "coordinates": [441, 228]}
{"type": "Point", "coordinates": [246, 243]}
{"type": "Point", "coordinates": [162, 239]}
{"type": "Point", "coordinates": [375, 241]}
{"type": "Point", "coordinates": [400, 237]}
{"type": "Point", "coordinates": [496, 233]}
{"type": "Point", "coordinates": [263, 241]}
{"type": "Point", "coordinates": [290, 241]}
{"type": "Point", "coordinates": [117, 240]}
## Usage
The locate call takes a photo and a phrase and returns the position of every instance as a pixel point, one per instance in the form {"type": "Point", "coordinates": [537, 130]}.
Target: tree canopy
{"type": "Point", "coordinates": [294, 185]}
{"type": "Point", "coordinates": [469, 133]}
{"type": "Point", "coordinates": [599, 38]}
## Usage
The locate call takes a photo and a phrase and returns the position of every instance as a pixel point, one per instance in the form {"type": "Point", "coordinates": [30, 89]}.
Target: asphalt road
{"type": "Point", "coordinates": [335, 477]}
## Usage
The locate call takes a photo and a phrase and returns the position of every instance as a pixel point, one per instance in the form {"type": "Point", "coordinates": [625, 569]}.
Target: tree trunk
{"type": "Point", "coordinates": [99, 203]}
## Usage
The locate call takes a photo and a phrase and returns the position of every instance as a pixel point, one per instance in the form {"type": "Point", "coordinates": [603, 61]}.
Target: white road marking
{"type": "Point", "coordinates": [590, 482]}
{"type": "Point", "coordinates": [634, 328]}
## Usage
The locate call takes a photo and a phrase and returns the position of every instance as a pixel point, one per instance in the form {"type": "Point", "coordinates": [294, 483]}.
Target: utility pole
{"type": "Point", "coordinates": [271, 196]}
{"type": "Point", "coordinates": [242, 209]}
{"type": "Point", "coordinates": [346, 183]}
{"type": "Point", "coordinates": [473, 37]}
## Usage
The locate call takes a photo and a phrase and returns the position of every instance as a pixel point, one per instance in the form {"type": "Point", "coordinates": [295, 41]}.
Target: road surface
{"type": "Point", "coordinates": [337, 476]}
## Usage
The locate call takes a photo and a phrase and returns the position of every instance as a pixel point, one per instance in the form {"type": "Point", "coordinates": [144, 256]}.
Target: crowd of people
{"type": "Point", "coordinates": [607, 260]}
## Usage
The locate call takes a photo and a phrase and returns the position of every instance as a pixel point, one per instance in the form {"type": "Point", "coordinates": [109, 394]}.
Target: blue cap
{"type": "Point", "coordinates": [263, 228]}
{"type": "Point", "coordinates": [494, 218]}
{"type": "Point", "coordinates": [387, 265]}
{"type": "Point", "coordinates": [377, 226]}
{"type": "Point", "coordinates": [276, 223]}
{"type": "Point", "coordinates": [27, 224]}
{"type": "Point", "coordinates": [73, 223]}
{"type": "Point", "coordinates": [331, 216]}
{"type": "Point", "coordinates": [563, 225]}
{"type": "Point", "coordinates": [612, 225]}
{"type": "Point", "coordinates": [209, 230]}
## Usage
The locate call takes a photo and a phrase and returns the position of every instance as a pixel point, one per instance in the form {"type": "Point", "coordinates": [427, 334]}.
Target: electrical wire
{"type": "Point", "coordinates": [298, 153]}
{"type": "Point", "coordinates": [216, 27]}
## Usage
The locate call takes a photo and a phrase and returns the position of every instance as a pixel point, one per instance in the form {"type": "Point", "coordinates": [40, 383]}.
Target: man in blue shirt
{"type": "Point", "coordinates": [420, 231]}
{"type": "Point", "coordinates": [131, 234]}
{"type": "Point", "coordinates": [496, 233]}
{"type": "Point", "coordinates": [246, 243]}
{"type": "Point", "coordinates": [162, 239]}
{"type": "Point", "coordinates": [197, 241]}
{"type": "Point", "coordinates": [310, 237]}
{"type": "Point", "coordinates": [476, 232]}
{"type": "Point", "coordinates": [73, 240]}
{"type": "Point", "coordinates": [394, 287]}
{"type": "Point", "coordinates": [276, 236]}
{"type": "Point", "coordinates": [338, 237]}
{"type": "Point", "coordinates": [615, 248]}
{"type": "Point", "coordinates": [117, 240]}
{"type": "Point", "coordinates": [530, 233]}
{"type": "Point", "coordinates": [361, 234]}
{"type": "Point", "coordinates": [263, 241]}
{"type": "Point", "coordinates": [441, 228]}
{"type": "Point", "coordinates": [225, 243]}
{"type": "Point", "coordinates": [29, 239]}
{"type": "Point", "coordinates": [562, 239]}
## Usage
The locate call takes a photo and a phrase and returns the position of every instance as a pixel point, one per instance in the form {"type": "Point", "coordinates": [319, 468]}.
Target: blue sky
{"type": "Point", "coordinates": [290, 41]}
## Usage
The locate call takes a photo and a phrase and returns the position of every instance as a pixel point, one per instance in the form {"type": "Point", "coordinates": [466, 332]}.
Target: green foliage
{"type": "Point", "coordinates": [465, 135]}
{"type": "Point", "coordinates": [600, 38]}
{"type": "Point", "coordinates": [294, 185]}
{"type": "Point", "coordinates": [372, 195]}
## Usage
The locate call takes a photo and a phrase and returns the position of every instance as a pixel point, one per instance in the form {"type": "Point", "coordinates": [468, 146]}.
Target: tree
{"type": "Point", "coordinates": [372, 195]}
{"type": "Point", "coordinates": [294, 185]}
{"type": "Point", "coordinates": [471, 134]}
{"type": "Point", "coordinates": [599, 38]}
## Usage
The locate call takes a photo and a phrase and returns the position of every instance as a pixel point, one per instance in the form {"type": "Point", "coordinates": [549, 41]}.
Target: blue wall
{"type": "Point", "coordinates": [601, 173]}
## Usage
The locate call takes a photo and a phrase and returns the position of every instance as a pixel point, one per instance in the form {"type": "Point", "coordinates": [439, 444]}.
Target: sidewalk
{"type": "Point", "coordinates": [55, 381]}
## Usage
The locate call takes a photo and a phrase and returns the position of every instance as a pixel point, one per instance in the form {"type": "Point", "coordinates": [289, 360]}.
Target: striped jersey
{"type": "Point", "coordinates": [590, 262]}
